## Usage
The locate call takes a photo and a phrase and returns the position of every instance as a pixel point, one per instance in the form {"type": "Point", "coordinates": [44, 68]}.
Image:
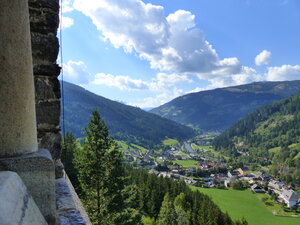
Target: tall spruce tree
{"type": "Point", "coordinates": [167, 214]}
{"type": "Point", "coordinates": [101, 173]}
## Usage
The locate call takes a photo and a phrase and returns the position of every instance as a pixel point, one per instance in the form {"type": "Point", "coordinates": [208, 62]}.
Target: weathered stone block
{"type": "Point", "coordinates": [51, 141]}
{"type": "Point", "coordinates": [43, 20]}
{"type": "Point", "coordinates": [48, 112]}
{"type": "Point", "coordinates": [45, 47]}
{"type": "Point", "coordinates": [69, 207]}
{"type": "Point", "coordinates": [37, 173]}
{"type": "Point", "coordinates": [16, 205]}
{"type": "Point", "coordinates": [59, 169]}
{"type": "Point", "coordinates": [46, 88]}
{"type": "Point", "coordinates": [51, 69]}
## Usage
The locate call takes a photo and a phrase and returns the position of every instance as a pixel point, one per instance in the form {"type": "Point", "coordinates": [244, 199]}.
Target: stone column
{"type": "Point", "coordinates": [18, 133]}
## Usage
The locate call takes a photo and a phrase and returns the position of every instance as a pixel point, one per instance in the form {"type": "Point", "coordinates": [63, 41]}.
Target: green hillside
{"type": "Point", "coordinates": [216, 110]}
{"type": "Point", "coordinates": [124, 122]}
{"type": "Point", "coordinates": [269, 135]}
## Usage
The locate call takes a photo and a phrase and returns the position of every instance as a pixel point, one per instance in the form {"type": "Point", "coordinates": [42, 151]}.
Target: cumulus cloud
{"type": "Point", "coordinates": [76, 72]}
{"type": "Point", "coordinates": [67, 6]}
{"type": "Point", "coordinates": [121, 82]}
{"type": "Point", "coordinates": [285, 72]}
{"type": "Point", "coordinates": [165, 81]}
{"type": "Point", "coordinates": [197, 89]}
{"type": "Point", "coordinates": [222, 78]}
{"type": "Point", "coordinates": [171, 43]}
{"type": "Point", "coordinates": [159, 99]}
{"type": "Point", "coordinates": [263, 58]}
{"type": "Point", "coordinates": [66, 22]}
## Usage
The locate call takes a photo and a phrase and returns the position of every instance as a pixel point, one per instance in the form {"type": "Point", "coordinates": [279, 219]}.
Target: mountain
{"type": "Point", "coordinates": [216, 110]}
{"type": "Point", "coordinates": [274, 125]}
{"type": "Point", "coordinates": [269, 136]}
{"type": "Point", "coordinates": [124, 122]}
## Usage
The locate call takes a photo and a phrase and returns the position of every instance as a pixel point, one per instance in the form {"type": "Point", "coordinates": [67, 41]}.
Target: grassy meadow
{"type": "Point", "coordinates": [245, 204]}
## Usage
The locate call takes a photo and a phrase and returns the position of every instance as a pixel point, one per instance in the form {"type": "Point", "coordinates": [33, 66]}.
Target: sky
{"type": "Point", "coordinates": [147, 52]}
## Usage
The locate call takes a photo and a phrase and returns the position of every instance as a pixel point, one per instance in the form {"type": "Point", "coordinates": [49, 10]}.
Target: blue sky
{"type": "Point", "coordinates": [147, 52]}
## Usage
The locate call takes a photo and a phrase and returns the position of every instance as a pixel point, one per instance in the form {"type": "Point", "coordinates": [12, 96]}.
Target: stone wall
{"type": "Point", "coordinates": [44, 21]}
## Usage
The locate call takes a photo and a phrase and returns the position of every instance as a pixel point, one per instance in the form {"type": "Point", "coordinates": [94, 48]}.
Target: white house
{"type": "Point", "coordinates": [290, 197]}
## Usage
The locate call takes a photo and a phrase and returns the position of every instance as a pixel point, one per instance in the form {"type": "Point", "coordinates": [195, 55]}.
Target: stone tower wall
{"type": "Point", "coordinates": [44, 21]}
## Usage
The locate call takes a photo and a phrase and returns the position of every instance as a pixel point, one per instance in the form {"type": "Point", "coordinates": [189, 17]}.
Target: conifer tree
{"type": "Point", "coordinates": [69, 146]}
{"type": "Point", "coordinates": [101, 174]}
{"type": "Point", "coordinates": [167, 214]}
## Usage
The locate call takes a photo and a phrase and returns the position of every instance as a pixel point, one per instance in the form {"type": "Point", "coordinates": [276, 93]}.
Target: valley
{"type": "Point", "coordinates": [254, 163]}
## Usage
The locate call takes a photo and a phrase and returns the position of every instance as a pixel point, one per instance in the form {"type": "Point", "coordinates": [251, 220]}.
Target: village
{"type": "Point", "coordinates": [198, 165]}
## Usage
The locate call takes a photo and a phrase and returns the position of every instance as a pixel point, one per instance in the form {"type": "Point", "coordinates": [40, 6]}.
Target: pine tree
{"type": "Point", "coordinates": [167, 214]}
{"type": "Point", "coordinates": [182, 209]}
{"type": "Point", "coordinates": [101, 174]}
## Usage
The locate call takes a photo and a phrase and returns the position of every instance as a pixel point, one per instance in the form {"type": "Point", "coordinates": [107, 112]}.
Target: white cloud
{"type": "Point", "coordinates": [121, 82]}
{"type": "Point", "coordinates": [197, 89]}
{"type": "Point", "coordinates": [171, 43]}
{"type": "Point", "coordinates": [164, 81]}
{"type": "Point", "coordinates": [285, 72]}
{"type": "Point", "coordinates": [67, 6]}
{"type": "Point", "coordinates": [76, 72]}
{"type": "Point", "coordinates": [263, 58]}
{"type": "Point", "coordinates": [221, 78]}
{"type": "Point", "coordinates": [66, 22]}
{"type": "Point", "coordinates": [159, 99]}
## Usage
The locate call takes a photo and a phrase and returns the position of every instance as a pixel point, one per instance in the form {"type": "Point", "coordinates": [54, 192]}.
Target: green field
{"type": "Point", "coordinates": [186, 163]}
{"type": "Point", "coordinates": [170, 142]}
{"type": "Point", "coordinates": [131, 147]}
{"type": "Point", "coordinates": [245, 204]}
{"type": "Point", "coordinates": [141, 149]}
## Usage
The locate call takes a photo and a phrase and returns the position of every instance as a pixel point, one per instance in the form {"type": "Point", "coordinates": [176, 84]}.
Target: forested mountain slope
{"type": "Point", "coordinates": [216, 110]}
{"type": "Point", "coordinates": [269, 136]}
{"type": "Point", "coordinates": [273, 125]}
{"type": "Point", "coordinates": [124, 122]}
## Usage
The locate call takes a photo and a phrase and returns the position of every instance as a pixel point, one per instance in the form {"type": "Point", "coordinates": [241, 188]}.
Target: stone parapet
{"type": "Point", "coordinates": [37, 172]}
{"type": "Point", "coordinates": [69, 207]}
{"type": "Point", "coordinates": [16, 205]}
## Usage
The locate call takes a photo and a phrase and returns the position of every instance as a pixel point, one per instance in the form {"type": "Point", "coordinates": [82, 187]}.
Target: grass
{"type": "Point", "coordinates": [170, 142]}
{"type": "Point", "coordinates": [123, 145]}
{"type": "Point", "coordinates": [131, 147]}
{"type": "Point", "coordinates": [274, 207]}
{"type": "Point", "coordinates": [245, 204]}
{"type": "Point", "coordinates": [141, 149]}
{"type": "Point", "coordinates": [186, 163]}
{"type": "Point", "coordinates": [274, 150]}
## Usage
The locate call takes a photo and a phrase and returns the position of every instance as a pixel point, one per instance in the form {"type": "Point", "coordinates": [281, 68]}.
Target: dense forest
{"type": "Point", "coordinates": [117, 194]}
{"type": "Point", "coordinates": [126, 123]}
{"type": "Point", "coordinates": [269, 135]}
{"type": "Point", "coordinates": [218, 109]}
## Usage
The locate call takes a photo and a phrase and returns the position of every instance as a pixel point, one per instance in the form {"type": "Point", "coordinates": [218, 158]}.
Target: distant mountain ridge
{"type": "Point", "coordinates": [124, 122]}
{"type": "Point", "coordinates": [216, 110]}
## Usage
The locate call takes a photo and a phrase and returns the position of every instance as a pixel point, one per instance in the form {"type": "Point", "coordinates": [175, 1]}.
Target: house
{"type": "Point", "coordinates": [256, 189]}
{"type": "Point", "coordinates": [274, 184]}
{"type": "Point", "coordinates": [232, 174]}
{"type": "Point", "coordinates": [244, 171]}
{"type": "Point", "coordinates": [290, 198]}
{"type": "Point", "coordinates": [230, 180]}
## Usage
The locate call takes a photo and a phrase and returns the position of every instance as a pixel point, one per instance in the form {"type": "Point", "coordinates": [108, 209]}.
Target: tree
{"type": "Point", "coordinates": [101, 173]}
{"type": "Point", "coordinates": [182, 209]}
{"type": "Point", "coordinates": [167, 214]}
{"type": "Point", "coordinates": [69, 146]}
